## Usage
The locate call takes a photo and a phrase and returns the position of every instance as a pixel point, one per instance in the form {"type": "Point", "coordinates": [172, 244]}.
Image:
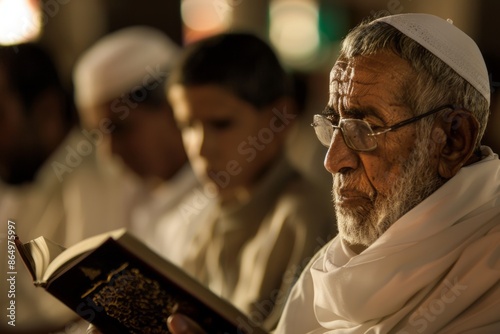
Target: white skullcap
{"type": "Point", "coordinates": [446, 42]}
{"type": "Point", "coordinates": [120, 62]}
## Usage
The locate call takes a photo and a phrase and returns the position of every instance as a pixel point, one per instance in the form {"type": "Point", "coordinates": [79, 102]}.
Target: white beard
{"type": "Point", "coordinates": [363, 225]}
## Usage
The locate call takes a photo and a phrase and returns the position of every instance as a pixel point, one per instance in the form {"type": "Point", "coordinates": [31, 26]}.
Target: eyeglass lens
{"type": "Point", "coordinates": [357, 133]}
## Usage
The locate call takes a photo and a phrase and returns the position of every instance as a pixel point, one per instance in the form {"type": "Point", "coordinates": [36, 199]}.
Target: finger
{"type": "Point", "coordinates": [179, 324]}
{"type": "Point", "coordinates": [93, 330]}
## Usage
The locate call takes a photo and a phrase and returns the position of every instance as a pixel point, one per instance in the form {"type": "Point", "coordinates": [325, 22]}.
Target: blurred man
{"type": "Point", "coordinates": [50, 185]}
{"type": "Point", "coordinates": [120, 96]}
{"type": "Point", "coordinates": [233, 102]}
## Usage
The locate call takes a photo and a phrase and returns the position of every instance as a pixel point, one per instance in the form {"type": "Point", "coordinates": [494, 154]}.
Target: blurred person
{"type": "Point", "coordinates": [120, 96]}
{"type": "Point", "coordinates": [234, 104]}
{"type": "Point", "coordinates": [47, 187]}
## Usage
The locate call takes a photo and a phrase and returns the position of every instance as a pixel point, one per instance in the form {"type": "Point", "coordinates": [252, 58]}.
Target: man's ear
{"type": "Point", "coordinates": [460, 129]}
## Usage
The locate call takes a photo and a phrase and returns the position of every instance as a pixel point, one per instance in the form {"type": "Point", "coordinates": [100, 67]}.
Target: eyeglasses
{"type": "Point", "coordinates": [358, 134]}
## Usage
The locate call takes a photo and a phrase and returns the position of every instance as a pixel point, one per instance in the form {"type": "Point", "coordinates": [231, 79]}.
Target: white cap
{"type": "Point", "coordinates": [121, 61]}
{"type": "Point", "coordinates": [446, 42]}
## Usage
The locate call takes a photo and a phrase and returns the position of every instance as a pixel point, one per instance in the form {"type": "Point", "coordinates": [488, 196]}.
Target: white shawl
{"type": "Point", "coordinates": [437, 269]}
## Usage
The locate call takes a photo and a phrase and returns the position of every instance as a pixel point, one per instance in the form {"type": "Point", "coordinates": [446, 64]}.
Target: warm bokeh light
{"type": "Point", "coordinates": [202, 18]}
{"type": "Point", "coordinates": [294, 30]}
{"type": "Point", "coordinates": [19, 21]}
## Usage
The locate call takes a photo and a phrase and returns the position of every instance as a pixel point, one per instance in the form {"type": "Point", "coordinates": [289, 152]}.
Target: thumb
{"type": "Point", "coordinates": [180, 324]}
{"type": "Point", "coordinates": [93, 330]}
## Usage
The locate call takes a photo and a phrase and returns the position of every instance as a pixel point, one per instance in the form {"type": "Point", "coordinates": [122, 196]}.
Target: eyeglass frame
{"type": "Point", "coordinates": [385, 129]}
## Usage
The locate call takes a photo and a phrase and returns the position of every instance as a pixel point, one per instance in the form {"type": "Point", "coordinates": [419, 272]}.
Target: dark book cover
{"type": "Point", "coordinates": [123, 287]}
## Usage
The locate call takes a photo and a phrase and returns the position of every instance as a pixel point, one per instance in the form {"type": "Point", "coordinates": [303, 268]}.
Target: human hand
{"type": "Point", "coordinates": [180, 324]}
{"type": "Point", "coordinates": [93, 330]}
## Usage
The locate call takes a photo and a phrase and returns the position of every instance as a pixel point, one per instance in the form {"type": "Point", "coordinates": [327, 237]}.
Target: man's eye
{"type": "Point", "coordinates": [121, 128]}
{"type": "Point", "coordinates": [221, 124]}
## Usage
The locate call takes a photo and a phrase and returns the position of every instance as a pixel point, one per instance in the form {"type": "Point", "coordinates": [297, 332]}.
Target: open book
{"type": "Point", "coordinates": [121, 286]}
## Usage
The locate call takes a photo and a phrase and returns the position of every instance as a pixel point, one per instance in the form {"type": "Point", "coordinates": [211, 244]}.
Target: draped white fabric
{"type": "Point", "coordinates": [436, 270]}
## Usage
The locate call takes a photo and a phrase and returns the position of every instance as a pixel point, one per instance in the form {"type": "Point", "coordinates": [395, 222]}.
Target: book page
{"type": "Point", "coordinates": [78, 249]}
{"type": "Point", "coordinates": [41, 257]}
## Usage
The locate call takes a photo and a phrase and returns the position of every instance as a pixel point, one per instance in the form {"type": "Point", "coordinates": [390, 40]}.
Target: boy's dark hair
{"type": "Point", "coordinates": [241, 63]}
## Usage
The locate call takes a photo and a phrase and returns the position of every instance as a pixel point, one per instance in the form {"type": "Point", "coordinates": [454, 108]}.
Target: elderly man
{"type": "Point", "coordinates": [417, 197]}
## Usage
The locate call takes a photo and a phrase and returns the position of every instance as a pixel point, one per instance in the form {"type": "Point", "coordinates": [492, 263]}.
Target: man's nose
{"type": "Point", "coordinates": [339, 157]}
{"type": "Point", "coordinates": [206, 142]}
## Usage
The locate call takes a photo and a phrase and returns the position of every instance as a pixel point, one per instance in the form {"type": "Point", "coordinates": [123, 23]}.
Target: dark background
{"type": "Point", "coordinates": [73, 25]}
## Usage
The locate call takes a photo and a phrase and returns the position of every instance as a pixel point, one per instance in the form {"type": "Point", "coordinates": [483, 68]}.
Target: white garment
{"type": "Point", "coordinates": [84, 200]}
{"type": "Point", "coordinates": [159, 218]}
{"type": "Point", "coordinates": [436, 270]}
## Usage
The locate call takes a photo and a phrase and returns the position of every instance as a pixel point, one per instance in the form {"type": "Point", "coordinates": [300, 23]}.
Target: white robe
{"type": "Point", "coordinates": [436, 270]}
{"type": "Point", "coordinates": [167, 218]}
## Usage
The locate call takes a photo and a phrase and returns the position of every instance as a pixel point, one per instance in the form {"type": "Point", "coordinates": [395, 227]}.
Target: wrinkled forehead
{"type": "Point", "coordinates": [361, 77]}
{"type": "Point", "coordinates": [340, 68]}
{"type": "Point", "coordinates": [341, 75]}
{"type": "Point", "coordinates": [366, 69]}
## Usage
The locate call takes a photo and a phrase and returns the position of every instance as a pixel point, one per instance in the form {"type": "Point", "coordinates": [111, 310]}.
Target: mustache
{"type": "Point", "coordinates": [350, 183]}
